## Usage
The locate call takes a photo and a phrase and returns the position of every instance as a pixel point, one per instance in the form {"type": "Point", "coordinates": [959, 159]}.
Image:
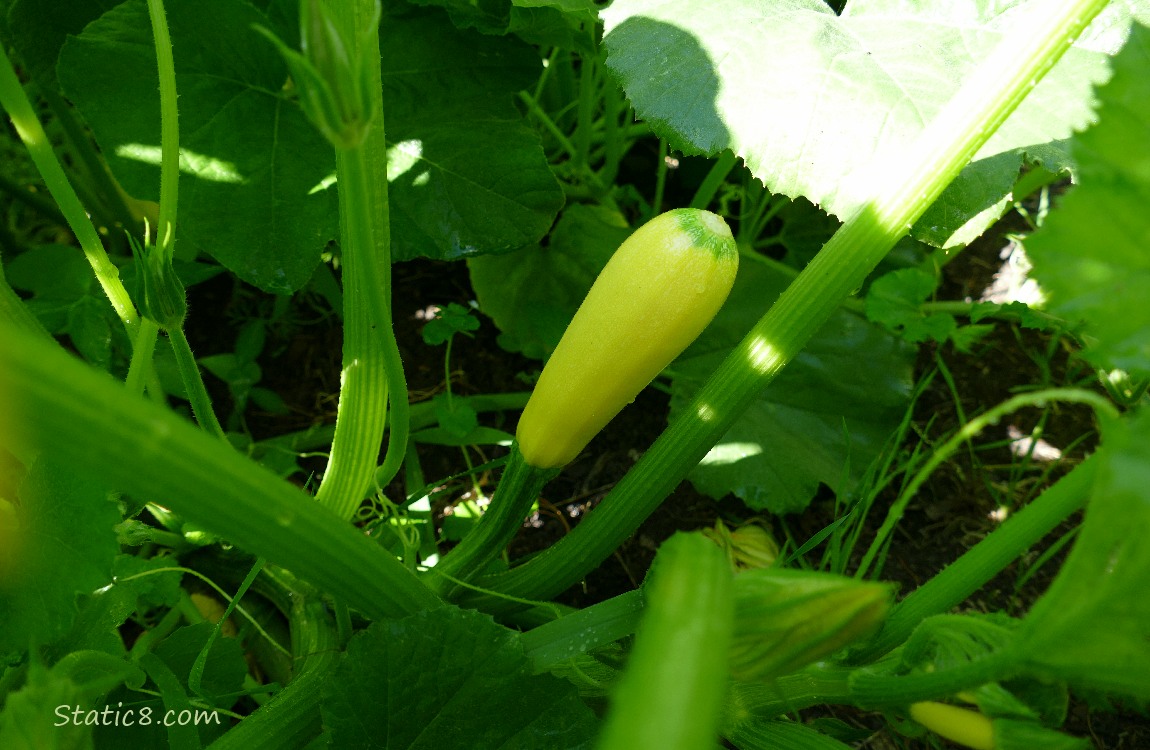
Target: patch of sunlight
{"type": "Point", "coordinates": [1012, 282]}
{"type": "Point", "coordinates": [402, 157]}
{"type": "Point", "coordinates": [205, 167]}
{"type": "Point", "coordinates": [763, 355]}
{"type": "Point", "coordinates": [1038, 449]}
{"type": "Point", "coordinates": [724, 454]}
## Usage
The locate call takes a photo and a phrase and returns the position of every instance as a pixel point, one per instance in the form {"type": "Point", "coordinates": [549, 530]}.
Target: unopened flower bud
{"type": "Point", "coordinates": [159, 289]}
{"type": "Point", "coordinates": [747, 547]}
{"type": "Point", "coordinates": [332, 77]}
{"type": "Point", "coordinates": [787, 619]}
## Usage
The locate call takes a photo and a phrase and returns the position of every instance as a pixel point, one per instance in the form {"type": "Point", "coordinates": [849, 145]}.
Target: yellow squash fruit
{"type": "Point", "coordinates": [653, 298]}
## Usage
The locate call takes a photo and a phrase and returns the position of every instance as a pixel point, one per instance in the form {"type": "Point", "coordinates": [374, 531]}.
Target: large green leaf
{"type": "Point", "coordinates": [38, 29]}
{"type": "Point", "coordinates": [808, 98]}
{"type": "Point", "coordinates": [445, 678]}
{"type": "Point", "coordinates": [1092, 256]}
{"type": "Point", "coordinates": [252, 188]}
{"type": "Point", "coordinates": [56, 541]}
{"type": "Point", "coordinates": [533, 293]}
{"type": "Point", "coordinates": [822, 420]}
{"type": "Point", "coordinates": [468, 175]}
{"type": "Point", "coordinates": [1092, 626]}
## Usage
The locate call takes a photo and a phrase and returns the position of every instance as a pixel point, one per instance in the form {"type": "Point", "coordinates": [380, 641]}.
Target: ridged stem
{"type": "Point", "coordinates": [371, 368]}
{"type": "Point", "coordinates": [57, 404]}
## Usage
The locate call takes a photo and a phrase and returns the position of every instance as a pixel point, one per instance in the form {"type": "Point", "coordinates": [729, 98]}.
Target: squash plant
{"type": "Point", "coordinates": [134, 535]}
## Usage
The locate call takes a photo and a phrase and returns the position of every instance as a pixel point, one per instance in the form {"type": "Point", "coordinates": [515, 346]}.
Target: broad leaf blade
{"type": "Point", "coordinates": [468, 176]}
{"type": "Point", "coordinates": [823, 419]}
{"type": "Point", "coordinates": [444, 678]}
{"type": "Point", "coordinates": [1092, 256]}
{"type": "Point", "coordinates": [253, 170]}
{"type": "Point", "coordinates": [38, 29]}
{"type": "Point", "coordinates": [1092, 626]}
{"type": "Point", "coordinates": [808, 98]}
{"type": "Point", "coordinates": [58, 543]}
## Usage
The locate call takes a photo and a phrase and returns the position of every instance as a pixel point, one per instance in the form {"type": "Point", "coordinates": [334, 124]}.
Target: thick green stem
{"type": "Point", "coordinates": [518, 489]}
{"type": "Point", "coordinates": [904, 186]}
{"type": "Point", "coordinates": [371, 367]}
{"type": "Point", "coordinates": [983, 561]}
{"type": "Point", "coordinates": [15, 102]}
{"type": "Point", "coordinates": [817, 684]}
{"type": "Point", "coordinates": [57, 404]}
{"type": "Point", "coordinates": [888, 691]}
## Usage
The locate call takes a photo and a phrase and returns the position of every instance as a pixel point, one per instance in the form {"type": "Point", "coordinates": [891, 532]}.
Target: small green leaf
{"type": "Point", "coordinates": [964, 338]}
{"type": "Point", "coordinates": [39, 716]}
{"type": "Point", "coordinates": [152, 589]}
{"type": "Point", "coordinates": [450, 320]}
{"type": "Point", "coordinates": [57, 272]}
{"type": "Point", "coordinates": [443, 679]}
{"type": "Point", "coordinates": [1027, 316]}
{"type": "Point", "coordinates": [895, 301]}
{"type": "Point", "coordinates": [269, 401]}
{"type": "Point", "coordinates": [455, 415]}
{"type": "Point", "coordinates": [89, 330]}
{"type": "Point", "coordinates": [239, 375]}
